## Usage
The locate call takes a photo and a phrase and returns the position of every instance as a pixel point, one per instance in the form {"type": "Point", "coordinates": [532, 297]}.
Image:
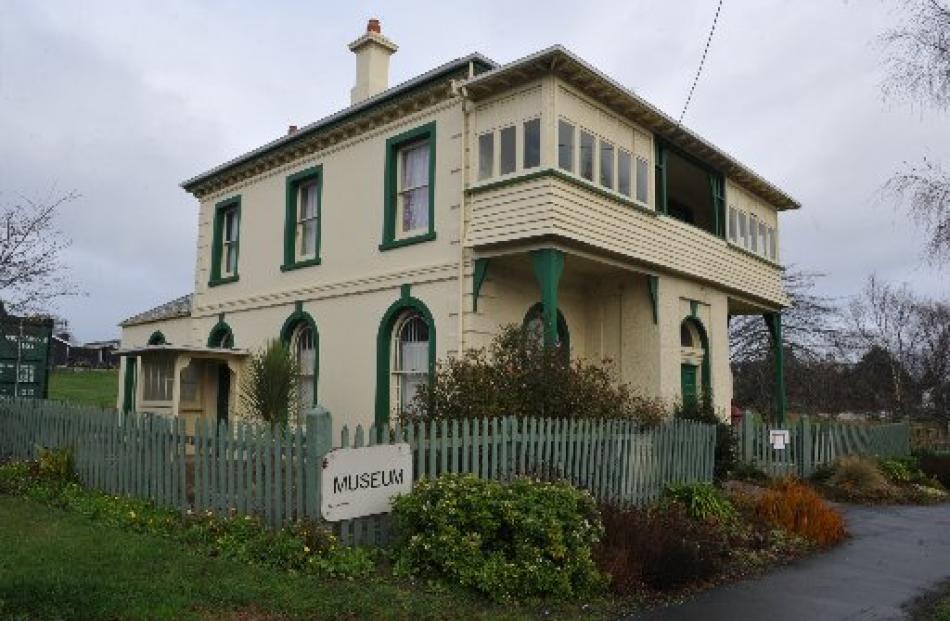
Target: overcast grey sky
{"type": "Point", "coordinates": [121, 101]}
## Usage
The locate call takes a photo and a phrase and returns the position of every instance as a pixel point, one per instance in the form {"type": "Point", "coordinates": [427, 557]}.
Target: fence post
{"type": "Point", "coordinates": [806, 465]}
{"type": "Point", "coordinates": [319, 442]}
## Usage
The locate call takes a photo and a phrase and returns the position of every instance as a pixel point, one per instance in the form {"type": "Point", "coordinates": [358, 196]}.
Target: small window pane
{"type": "Point", "coordinates": [642, 180]}
{"type": "Point", "coordinates": [733, 223]}
{"type": "Point", "coordinates": [753, 234]}
{"type": "Point", "coordinates": [507, 150]}
{"type": "Point", "coordinates": [762, 238]}
{"type": "Point", "coordinates": [532, 143]}
{"type": "Point", "coordinates": [606, 164]}
{"type": "Point", "coordinates": [486, 155]}
{"type": "Point", "coordinates": [773, 254]}
{"type": "Point", "coordinates": [308, 238]}
{"type": "Point", "coordinates": [587, 156]}
{"type": "Point", "coordinates": [308, 200]}
{"type": "Point", "coordinates": [743, 230]}
{"type": "Point", "coordinates": [565, 146]}
{"type": "Point", "coordinates": [623, 171]}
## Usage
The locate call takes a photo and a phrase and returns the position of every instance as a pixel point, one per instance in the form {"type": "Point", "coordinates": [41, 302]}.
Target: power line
{"type": "Point", "coordinates": [702, 61]}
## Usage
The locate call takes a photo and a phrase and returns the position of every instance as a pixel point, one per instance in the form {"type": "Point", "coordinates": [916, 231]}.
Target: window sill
{"type": "Point", "coordinates": [214, 282]}
{"type": "Point", "coordinates": [300, 264]}
{"type": "Point", "coordinates": [408, 241]}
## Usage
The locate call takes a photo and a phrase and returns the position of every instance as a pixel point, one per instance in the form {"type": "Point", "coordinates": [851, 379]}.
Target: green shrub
{"type": "Point", "coordinates": [937, 466]}
{"type": "Point", "coordinates": [726, 455]}
{"type": "Point", "coordinates": [900, 469]}
{"type": "Point", "coordinates": [57, 463]}
{"type": "Point", "coordinates": [702, 501]}
{"type": "Point", "coordinates": [303, 547]}
{"type": "Point", "coordinates": [661, 547]}
{"type": "Point", "coordinates": [506, 540]}
{"type": "Point", "coordinates": [516, 376]}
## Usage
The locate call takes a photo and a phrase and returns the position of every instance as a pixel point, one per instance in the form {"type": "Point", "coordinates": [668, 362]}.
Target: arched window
{"type": "Point", "coordinates": [157, 338]}
{"type": "Point", "coordinates": [302, 337]}
{"type": "Point", "coordinates": [410, 360]}
{"type": "Point", "coordinates": [304, 345]}
{"type": "Point", "coordinates": [405, 355]}
{"type": "Point", "coordinates": [534, 326]}
{"type": "Point", "coordinates": [221, 336]}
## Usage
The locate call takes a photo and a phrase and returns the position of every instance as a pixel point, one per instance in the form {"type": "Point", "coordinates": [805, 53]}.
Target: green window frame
{"type": "Point", "coordinates": [384, 351]}
{"type": "Point", "coordinates": [391, 187]}
{"type": "Point", "coordinates": [292, 229]}
{"type": "Point", "coordinates": [217, 241]}
{"type": "Point", "coordinates": [297, 319]}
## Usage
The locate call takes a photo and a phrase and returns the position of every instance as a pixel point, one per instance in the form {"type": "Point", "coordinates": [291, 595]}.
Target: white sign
{"type": "Point", "coordinates": [779, 438]}
{"type": "Point", "coordinates": [363, 481]}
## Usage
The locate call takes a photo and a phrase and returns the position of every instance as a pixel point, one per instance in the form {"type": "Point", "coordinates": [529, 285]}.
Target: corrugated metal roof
{"type": "Point", "coordinates": [179, 307]}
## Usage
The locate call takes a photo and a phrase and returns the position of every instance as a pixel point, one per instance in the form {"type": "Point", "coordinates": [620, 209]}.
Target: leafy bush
{"type": "Point", "coordinates": [900, 469]}
{"type": "Point", "coordinates": [660, 547]}
{"type": "Point", "coordinates": [504, 539]}
{"type": "Point", "coordinates": [858, 479]}
{"type": "Point", "coordinates": [937, 466]}
{"type": "Point", "coordinates": [57, 463]}
{"type": "Point", "coordinates": [269, 387]}
{"type": "Point", "coordinates": [702, 501]}
{"type": "Point", "coordinates": [303, 547]}
{"type": "Point", "coordinates": [726, 456]}
{"type": "Point", "coordinates": [798, 509]}
{"type": "Point", "coordinates": [516, 376]}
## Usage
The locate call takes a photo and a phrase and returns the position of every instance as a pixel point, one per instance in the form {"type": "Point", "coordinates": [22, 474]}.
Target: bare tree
{"type": "Point", "coordinates": [917, 65]}
{"type": "Point", "coordinates": [931, 360]}
{"type": "Point", "coordinates": [31, 269]}
{"type": "Point", "coordinates": [809, 325]}
{"type": "Point", "coordinates": [917, 60]}
{"type": "Point", "coordinates": [882, 319]}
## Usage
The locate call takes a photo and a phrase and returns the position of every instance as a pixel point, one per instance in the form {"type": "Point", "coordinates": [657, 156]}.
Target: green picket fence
{"type": "Point", "coordinates": [275, 473]}
{"type": "Point", "coordinates": [813, 444]}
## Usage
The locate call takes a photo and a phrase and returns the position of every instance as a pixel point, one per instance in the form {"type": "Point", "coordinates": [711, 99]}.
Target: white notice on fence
{"type": "Point", "coordinates": [363, 481]}
{"type": "Point", "coordinates": [778, 438]}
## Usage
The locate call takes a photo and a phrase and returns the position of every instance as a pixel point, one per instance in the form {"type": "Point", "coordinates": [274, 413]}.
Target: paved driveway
{"type": "Point", "coordinates": [895, 554]}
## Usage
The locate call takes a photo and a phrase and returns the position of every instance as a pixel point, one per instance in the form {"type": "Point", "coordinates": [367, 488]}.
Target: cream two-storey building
{"type": "Point", "coordinates": [414, 223]}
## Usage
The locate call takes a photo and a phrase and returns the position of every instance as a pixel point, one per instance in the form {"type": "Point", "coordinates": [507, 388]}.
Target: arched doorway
{"type": "Point", "coordinates": [695, 386]}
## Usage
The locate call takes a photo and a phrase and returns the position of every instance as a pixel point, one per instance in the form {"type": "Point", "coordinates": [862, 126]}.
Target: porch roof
{"type": "Point", "coordinates": [210, 352]}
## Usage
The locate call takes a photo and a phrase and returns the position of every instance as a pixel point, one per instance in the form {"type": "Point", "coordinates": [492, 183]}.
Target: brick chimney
{"type": "Point", "coordinates": [372, 51]}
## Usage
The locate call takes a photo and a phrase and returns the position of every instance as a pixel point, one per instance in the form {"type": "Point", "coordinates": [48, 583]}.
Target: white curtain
{"type": "Point", "coordinates": [415, 187]}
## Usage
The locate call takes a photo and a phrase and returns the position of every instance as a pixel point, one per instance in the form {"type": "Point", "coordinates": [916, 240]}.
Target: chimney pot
{"type": "Point", "coordinates": [373, 26]}
{"type": "Point", "coordinates": [291, 129]}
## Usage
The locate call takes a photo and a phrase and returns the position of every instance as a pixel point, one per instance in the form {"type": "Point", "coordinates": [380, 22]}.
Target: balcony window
{"type": "Point", "coordinates": [689, 196]}
{"type": "Point", "coordinates": [606, 164]}
{"type": "Point", "coordinates": [733, 224]}
{"type": "Point", "coordinates": [508, 149]}
{"type": "Point", "coordinates": [486, 155]}
{"type": "Point", "coordinates": [532, 143]}
{"type": "Point", "coordinates": [565, 146]}
{"type": "Point", "coordinates": [624, 161]}
{"type": "Point", "coordinates": [643, 169]}
{"type": "Point", "coordinates": [753, 234]}
{"type": "Point", "coordinates": [587, 156]}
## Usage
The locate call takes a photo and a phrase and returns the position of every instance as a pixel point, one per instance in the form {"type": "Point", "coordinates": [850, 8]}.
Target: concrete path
{"type": "Point", "coordinates": [895, 554]}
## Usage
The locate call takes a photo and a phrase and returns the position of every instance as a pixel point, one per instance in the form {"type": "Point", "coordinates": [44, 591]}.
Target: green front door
{"type": "Point", "coordinates": [688, 383]}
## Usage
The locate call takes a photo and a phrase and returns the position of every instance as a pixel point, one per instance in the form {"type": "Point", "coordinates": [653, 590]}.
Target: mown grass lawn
{"type": "Point", "coordinates": [60, 565]}
{"type": "Point", "coordinates": [96, 387]}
